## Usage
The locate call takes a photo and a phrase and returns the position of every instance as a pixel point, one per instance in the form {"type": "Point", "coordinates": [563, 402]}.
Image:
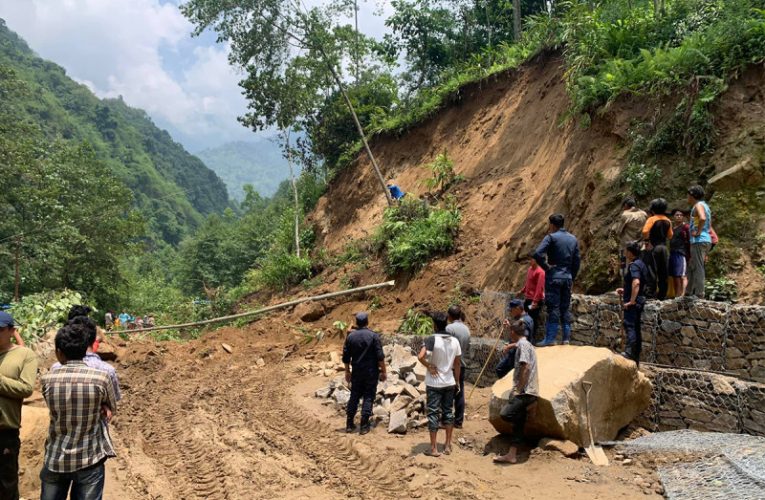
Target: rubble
{"type": "Point", "coordinates": [400, 400]}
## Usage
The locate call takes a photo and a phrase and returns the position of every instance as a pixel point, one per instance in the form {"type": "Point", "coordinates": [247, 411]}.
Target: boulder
{"type": "Point", "coordinates": [420, 371]}
{"type": "Point", "coordinates": [309, 311]}
{"type": "Point", "coordinates": [341, 396]}
{"type": "Point", "coordinates": [398, 422]}
{"type": "Point", "coordinates": [619, 394]}
{"type": "Point", "coordinates": [566, 448]}
{"type": "Point", "coordinates": [411, 390]}
{"type": "Point", "coordinates": [402, 361]}
{"type": "Point", "coordinates": [392, 390]}
{"type": "Point", "coordinates": [400, 402]}
{"type": "Point", "coordinates": [324, 392]}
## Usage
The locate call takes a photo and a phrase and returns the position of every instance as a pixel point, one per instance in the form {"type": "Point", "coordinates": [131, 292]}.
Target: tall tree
{"type": "Point", "coordinates": [290, 54]}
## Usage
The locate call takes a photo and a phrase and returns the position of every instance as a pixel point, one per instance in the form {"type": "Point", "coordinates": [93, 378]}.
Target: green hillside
{"type": "Point", "coordinates": [259, 163]}
{"type": "Point", "coordinates": [172, 189]}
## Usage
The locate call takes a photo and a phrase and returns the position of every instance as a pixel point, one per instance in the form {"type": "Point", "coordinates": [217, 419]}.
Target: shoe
{"type": "Point", "coordinates": [458, 426]}
{"type": "Point", "coordinates": [545, 344]}
{"type": "Point", "coordinates": [365, 429]}
{"type": "Point", "coordinates": [350, 429]}
{"type": "Point", "coordinates": [565, 342]}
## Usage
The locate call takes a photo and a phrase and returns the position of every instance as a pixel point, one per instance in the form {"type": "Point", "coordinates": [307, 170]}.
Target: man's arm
{"type": "Point", "coordinates": [19, 340]}
{"type": "Point", "coordinates": [539, 293]}
{"type": "Point", "coordinates": [523, 377]}
{"type": "Point", "coordinates": [457, 369]}
{"type": "Point", "coordinates": [576, 261]}
{"type": "Point", "coordinates": [541, 253]}
{"type": "Point", "coordinates": [635, 291]}
{"type": "Point", "coordinates": [702, 214]}
{"type": "Point", "coordinates": [347, 358]}
{"type": "Point", "coordinates": [22, 388]}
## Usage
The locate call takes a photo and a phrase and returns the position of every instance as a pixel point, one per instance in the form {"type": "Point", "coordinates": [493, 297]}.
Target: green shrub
{"type": "Point", "coordinates": [413, 232]}
{"type": "Point", "coordinates": [721, 290]}
{"type": "Point", "coordinates": [39, 312]}
{"type": "Point", "coordinates": [442, 173]}
{"type": "Point", "coordinates": [416, 324]}
{"type": "Point", "coordinates": [279, 271]}
{"type": "Point", "coordinates": [642, 179]}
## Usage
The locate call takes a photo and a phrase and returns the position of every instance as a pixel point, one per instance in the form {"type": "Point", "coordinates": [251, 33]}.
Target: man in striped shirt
{"type": "Point", "coordinates": [81, 400]}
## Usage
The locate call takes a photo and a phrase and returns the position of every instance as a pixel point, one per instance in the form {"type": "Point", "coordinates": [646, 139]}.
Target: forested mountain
{"type": "Point", "coordinates": [259, 163]}
{"type": "Point", "coordinates": [172, 189]}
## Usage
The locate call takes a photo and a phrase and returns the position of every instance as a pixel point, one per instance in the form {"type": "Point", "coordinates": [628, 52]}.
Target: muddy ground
{"type": "Point", "coordinates": [198, 422]}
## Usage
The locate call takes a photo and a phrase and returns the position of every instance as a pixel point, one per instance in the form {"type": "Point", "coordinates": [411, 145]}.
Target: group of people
{"type": "Point", "coordinates": [442, 354]}
{"type": "Point", "coordinates": [127, 321]}
{"type": "Point", "coordinates": [81, 392]}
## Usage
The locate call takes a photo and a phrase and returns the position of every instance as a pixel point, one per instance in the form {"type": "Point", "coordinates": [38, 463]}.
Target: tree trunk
{"type": "Point", "coordinates": [356, 48]}
{"type": "Point", "coordinates": [517, 20]}
{"type": "Point", "coordinates": [294, 194]}
{"type": "Point", "coordinates": [359, 128]}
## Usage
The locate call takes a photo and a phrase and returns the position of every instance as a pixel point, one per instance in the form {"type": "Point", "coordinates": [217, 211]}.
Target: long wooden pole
{"type": "Point", "coordinates": [488, 359]}
{"type": "Point", "coordinates": [264, 309]}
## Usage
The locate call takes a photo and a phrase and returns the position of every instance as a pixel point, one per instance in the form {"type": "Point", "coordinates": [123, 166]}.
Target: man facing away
{"type": "Point", "coordinates": [18, 370]}
{"type": "Point", "coordinates": [701, 241]}
{"type": "Point", "coordinates": [525, 390]}
{"type": "Point", "coordinates": [534, 294]}
{"type": "Point", "coordinates": [679, 251]}
{"type": "Point", "coordinates": [516, 312]}
{"type": "Point", "coordinates": [81, 401]}
{"type": "Point", "coordinates": [656, 233]}
{"type": "Point", "coordinates": [364, 365]}
{"type": "Point", "coordinates": [459, 330]}
{"type": "Point", "coordinates": [558, 255]}
{"type": "Point", "coordinates": [441, 355]}
{"type": "Point", "coordinates": [92, 359]}
{"type": "Point", "coordinates": [630, 223]}
{"type": "Point", "coordinates": [633, 300]}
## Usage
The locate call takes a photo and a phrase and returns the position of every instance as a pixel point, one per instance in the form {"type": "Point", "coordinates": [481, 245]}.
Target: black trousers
{"type": "Point", "coordinates": [459, 401]}
{"type": "Point", "coordinates": [362, 386]}
{"type": "Point", "coordinates": [632, 323]}
{"type": "Point", "coordinates": [9, 464]}
{"type": "Point", "coordinates": [515, 412]}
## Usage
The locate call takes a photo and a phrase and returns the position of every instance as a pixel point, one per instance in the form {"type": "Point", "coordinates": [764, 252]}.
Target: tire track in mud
{"type": "Point", "coordinates": [228, 433]}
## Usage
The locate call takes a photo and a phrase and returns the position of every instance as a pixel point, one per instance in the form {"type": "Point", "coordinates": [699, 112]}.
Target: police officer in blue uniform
{"type": "Point", "coordinates": [558, 255]}
{"type": "Point", "coordinates": [364, 366]}
{"type": "Point", "coordinates": [633, 300]}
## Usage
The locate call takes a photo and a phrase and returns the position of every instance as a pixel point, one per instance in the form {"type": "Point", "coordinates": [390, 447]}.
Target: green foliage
{"type": "Point", "coordinates": [721, 290]}
{"type": "Point", "coordinates": [38, 313]}
{"type": "Point", "coordinates": [642, 179]}
{"type": "Point", "coordinates": [279, 271]}
{"type": "Point", "coordinates": [171, 188]}
{"type": "Point", "coordinates": [442, 173]}
{"type": "Point", "coordinates": [416, 323]}
{"type": "Point", "coordinates": [413, 232]}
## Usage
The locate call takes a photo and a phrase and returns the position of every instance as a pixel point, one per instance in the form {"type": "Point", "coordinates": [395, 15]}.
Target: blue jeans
{"type": "Point", "coordinates": [440, 406]}
{"type": "Point", "coordinates": [558, 301]}
{"type": "Point", "coordinates": [459, 401]}
{"type": "Point", "coordinates": [87, 484]}
{"type": "Point", "coordinates": [632, 323]}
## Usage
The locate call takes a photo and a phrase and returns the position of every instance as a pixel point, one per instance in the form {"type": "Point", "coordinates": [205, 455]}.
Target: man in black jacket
{"type": "Point", "coordinates": [364, 366]}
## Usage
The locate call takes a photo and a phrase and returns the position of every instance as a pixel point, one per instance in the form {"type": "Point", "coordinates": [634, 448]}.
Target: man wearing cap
{"type": "Point", "coordinates": [18, 370]}
{"type": "Point", "coordinates": [364, 366]}
{"type": "Point", "coordinates": [517, 312]}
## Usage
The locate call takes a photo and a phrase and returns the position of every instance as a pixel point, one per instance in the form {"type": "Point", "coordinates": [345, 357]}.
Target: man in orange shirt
{"type": "Point", "coordinates": [657, 231]}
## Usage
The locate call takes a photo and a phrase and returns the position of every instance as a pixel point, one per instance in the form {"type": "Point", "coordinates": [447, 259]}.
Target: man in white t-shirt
{"type": "Point", "coordinates": [441, 355]}
{"type": "Point", "coordinates": [525, 389]}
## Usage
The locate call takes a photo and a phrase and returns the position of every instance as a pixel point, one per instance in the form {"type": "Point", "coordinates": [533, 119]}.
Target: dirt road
{"type": "Point", "coordinates": [197, 422]}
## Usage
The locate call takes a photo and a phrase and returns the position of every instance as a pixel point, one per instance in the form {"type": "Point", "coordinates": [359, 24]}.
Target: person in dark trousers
{"type": "Point", "coordinates": [679, 251]}
{"type": "Point", "coordinates": [516, 312]}
{"type": "Point", "coordinates": [81, 401]}
{"type": "Point", "coordinates": [656, 233]}
{"type": "Point", "coordinates": [633, 301]}
{"type": "Point", "coordinates": [558, 255]}
{"type": "Point", "coordinates": [534, 295]}
{"type": "Point", "coordinates": [364, 366]}
{"type": "Point", "coordinates": [459, 330]}
{"type": "Point", "coordinates": [525, 389]}
{"type": "Point", "coordinates": [18, 371]}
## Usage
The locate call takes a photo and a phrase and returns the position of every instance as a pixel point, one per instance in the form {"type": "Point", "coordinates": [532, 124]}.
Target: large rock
{"type": "Point", "coordinates": [420, 371]}
{"type": "Point", "coordinates": [398, 422]}
{"type": "Point", "coordinates": [402, 361]}
{"type": "Point", "coordinates": [619, 394]}
{"type": "Point", "coordinates": [309, 311]}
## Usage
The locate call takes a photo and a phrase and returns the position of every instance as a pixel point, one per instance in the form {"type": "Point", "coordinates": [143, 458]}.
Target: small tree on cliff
{"type": "Point", "coordinates": [291, 55]}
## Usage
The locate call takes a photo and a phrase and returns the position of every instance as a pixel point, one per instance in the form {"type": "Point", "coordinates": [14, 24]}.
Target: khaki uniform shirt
{"type": "Point", "coordinates": [18, 371]}
{"type": "Point", "coordinates": [630, 226]}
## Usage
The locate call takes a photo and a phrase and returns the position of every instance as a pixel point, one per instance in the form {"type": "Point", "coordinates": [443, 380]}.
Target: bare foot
{"type": "Point", "coordinates": [447, 450]}
{"type": "Point", "coordinates": [510, 458]}
{"type": "Point", "coordinates": [432, 453]}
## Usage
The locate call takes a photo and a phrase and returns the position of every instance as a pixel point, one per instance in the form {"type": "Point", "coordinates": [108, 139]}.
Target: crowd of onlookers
{"type": "Point", "coordinates": [127, 321]}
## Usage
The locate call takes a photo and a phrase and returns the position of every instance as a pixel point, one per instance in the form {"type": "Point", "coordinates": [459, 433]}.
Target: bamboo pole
{"type": "Point", "coordinates": [262, 310]}
{"type": "Point", "coordinates": [488, 359]}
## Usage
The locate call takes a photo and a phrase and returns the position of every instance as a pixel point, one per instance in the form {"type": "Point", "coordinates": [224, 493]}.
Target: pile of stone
{"type": "Point", "coordinates": [400, 400]}
{"type": "Point", "coordinates": [328, 368]}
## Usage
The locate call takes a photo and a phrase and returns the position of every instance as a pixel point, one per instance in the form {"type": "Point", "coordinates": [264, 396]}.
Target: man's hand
{"type": "Point", "coordinates": [383, 377]}
{"type": "Point", "coordinates": [106, 413]}
{"type": "Point", "coordinates": [534, 305]}
{"type": "Point", "coordinates": [507, 347]}
{"type": "Point", "coordinates": [506, 323]}
{"type": "Point", "coordinates": [629, 304]}
{"type": "Point", "coordinates": [433, 370]}
{"type": "Point", "coordinates": [348, 376]}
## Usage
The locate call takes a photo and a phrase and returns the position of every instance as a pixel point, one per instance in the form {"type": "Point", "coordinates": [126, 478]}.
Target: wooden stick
{"type": "Point", "coordinates": [262, 310]}
{"type": "Point", "coordinates": [491, 355]}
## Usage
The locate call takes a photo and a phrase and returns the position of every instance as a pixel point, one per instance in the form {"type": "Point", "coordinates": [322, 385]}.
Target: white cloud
{"type": "Point", "coordinates": [116, 47]}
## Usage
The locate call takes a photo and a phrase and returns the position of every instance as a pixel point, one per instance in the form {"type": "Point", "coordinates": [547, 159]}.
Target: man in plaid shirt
{"type": "Point", "coordinates": [81, 402]}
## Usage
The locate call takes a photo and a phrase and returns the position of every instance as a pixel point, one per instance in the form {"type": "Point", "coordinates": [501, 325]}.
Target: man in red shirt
{"type": "Point", "coordinates": [534, 294]}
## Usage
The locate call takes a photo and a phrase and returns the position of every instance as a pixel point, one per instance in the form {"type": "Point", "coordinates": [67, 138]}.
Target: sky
{"type": "Point", "coordinates": [143, 50]}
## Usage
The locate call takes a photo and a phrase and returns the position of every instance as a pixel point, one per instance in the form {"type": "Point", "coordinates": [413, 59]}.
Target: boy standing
{"type": "Point", "coordinates": [441, 355]}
